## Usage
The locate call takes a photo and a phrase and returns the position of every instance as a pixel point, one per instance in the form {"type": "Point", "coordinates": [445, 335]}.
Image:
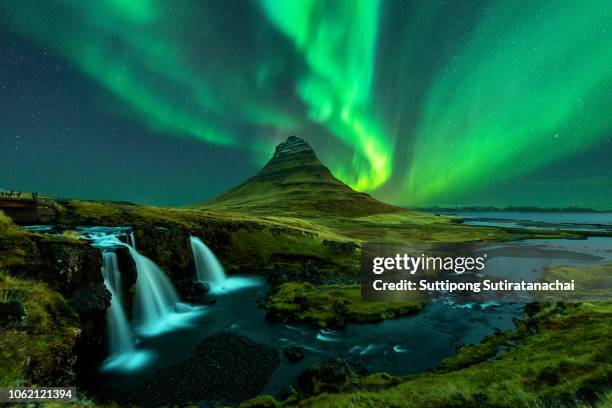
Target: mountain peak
{"type": "Point", "coordinates": [293, 146]}
{"type": "Point", "coordinates": [295, 182]}
{"type": "Point", "coordinates": [294, 155]}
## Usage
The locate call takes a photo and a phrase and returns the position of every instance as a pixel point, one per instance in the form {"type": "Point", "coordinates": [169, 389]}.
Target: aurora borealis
{"type": "Point", "coordinates": [419, 103]}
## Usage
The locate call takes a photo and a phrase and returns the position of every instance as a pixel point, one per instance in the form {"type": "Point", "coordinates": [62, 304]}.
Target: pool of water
{"type": "Point", "coordinates": [573, 221]}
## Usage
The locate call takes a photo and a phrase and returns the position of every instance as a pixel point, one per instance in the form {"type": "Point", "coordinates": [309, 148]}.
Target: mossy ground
{"type": "Point", "coordinates": [592, 283]}
{"type": "Point", "coordinates": [332, 305]}
{"type": "Point", "coordinates": [34, 348]}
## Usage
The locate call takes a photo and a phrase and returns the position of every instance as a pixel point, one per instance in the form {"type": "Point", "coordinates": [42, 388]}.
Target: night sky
{"type": "Point", "coordinates": [419, 103]}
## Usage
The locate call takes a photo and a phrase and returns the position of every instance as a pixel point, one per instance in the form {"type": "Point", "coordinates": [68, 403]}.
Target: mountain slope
{"type": "Point", "coordinates": [295, 182]}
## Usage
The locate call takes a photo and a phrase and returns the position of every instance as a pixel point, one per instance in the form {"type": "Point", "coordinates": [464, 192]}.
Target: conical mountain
{"type": "Point", "coordinates": [295, 182]}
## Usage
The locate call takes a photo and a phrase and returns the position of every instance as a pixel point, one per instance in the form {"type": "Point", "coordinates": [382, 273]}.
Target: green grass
{"type": "Point", "coordinates": [332, 305]}
{"type": "Point", "coordinates": [32, 352]}
{"type": "Point", "coordinates": [591, 283]}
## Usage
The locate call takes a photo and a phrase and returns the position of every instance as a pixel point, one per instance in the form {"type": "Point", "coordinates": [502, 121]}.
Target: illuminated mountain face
{"type": "Point", "coordinates": [424, 103]}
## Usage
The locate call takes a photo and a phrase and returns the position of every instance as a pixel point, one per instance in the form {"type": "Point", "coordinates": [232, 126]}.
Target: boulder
{"type": "Point", "coordinates": [294, 353]}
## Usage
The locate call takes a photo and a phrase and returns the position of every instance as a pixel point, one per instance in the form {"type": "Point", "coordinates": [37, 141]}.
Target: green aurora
{"type": "Point", "coordinates": [397, 98]}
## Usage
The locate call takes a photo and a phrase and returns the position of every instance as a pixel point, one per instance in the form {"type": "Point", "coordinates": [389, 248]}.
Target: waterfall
{"type": "Point", "coordinates": [111, 273]}
{"type": "Point", "coordinates": [157, 307]}
{"type": "Point", "coordinates": [207, 265]}
{"type": "Point", "coordinates": [123, 355]}
{"type": "Point", "coordinates": [155, 299]}
{"type": "Point", "coordinates": [132, 240]}
{"type": "Point", "coordinates": [119, 335]}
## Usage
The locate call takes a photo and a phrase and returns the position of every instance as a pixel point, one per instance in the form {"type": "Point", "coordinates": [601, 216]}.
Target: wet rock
{"type": "Point", "coordinates": [91, 305]}
{"type": "Point", "coordinates": [201, 287]}
{"type": "Point", "coordinates": [294, 354]}
{"type": "Point", "coordinates": [195, 293]}
{"type": "Point", "coordinates": [90, 300]}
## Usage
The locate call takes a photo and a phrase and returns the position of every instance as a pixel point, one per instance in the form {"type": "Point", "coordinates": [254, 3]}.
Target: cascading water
{"type": "Point", "coordinates": [208, 268]}
{"type": "Point", "coordinates": [132, 240]}
{"type": "Point", "coordinates": [123, 355]}
{"type": "Point", "coordinates": [155, 299]}
{"type": "Point", "coordinates": [111, 273]}
{"type": "Point", "coordinates": [157, 308]}
{"type": "Point", "coordinates": [120, 338]}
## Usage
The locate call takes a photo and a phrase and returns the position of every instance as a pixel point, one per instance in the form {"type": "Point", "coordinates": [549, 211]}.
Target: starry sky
{"type": "Point", "coordinates": [417, 102]}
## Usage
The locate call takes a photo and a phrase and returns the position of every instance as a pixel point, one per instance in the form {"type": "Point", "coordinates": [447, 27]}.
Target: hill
{"type": "Point", "coordinates": [295, 182]}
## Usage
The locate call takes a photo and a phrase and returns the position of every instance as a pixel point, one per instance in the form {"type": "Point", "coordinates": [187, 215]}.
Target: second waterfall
{"type": "Point", "coordinates": [208, 268]}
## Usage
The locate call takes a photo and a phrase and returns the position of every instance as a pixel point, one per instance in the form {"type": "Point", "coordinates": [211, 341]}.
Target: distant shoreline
{"type": "Point", "coordinates": [510, 209]}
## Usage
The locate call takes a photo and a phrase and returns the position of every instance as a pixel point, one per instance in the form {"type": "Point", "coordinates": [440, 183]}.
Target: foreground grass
{"type": "Point", "coordinates": [592, 283]}
{"type": "Point", "coordinates": [332, 305]}
{"type": "Point", "coordinates": [37, 334]}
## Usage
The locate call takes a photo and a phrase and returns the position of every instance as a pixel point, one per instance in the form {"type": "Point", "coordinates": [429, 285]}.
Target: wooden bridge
{"type": "Point", "coordinates": [26, 210]}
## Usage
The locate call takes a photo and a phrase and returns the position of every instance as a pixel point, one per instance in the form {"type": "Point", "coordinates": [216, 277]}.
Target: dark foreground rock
{"type": "Point", "coordinates": [224, 368]}
{"type": "Point", "coordinates": [294, 353]}
{"type": "Point", "coordinates": [329, 376]}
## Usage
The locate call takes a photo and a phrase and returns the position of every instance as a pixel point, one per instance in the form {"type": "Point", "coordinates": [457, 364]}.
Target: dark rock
{"type": "Point", "coordinates": [195, 292]}
{"type": "Point", "coordinates": [64, 265]}
{"type": "Point", "coordinates": [329, 376]}
{"type": "Point", "coordinates": [360, 368]}
{"type": "Point", "coordinates": [294, 354]}
{"type": "Point", "coordinates": [308, 379]}
{"type": "Point", "coordinates": [334, 370]}
{"type": "Point", "coordinates": [201, 287]}
{"type": "Point", "coordinates": [91, 305]}
{"type": "Point", "coordinates": [273, 317]}
{"type": "Point", "coordinates": [12, 314]}
{"type": "Point", "coordinates": [224, 368]}
{"type": "Point", "coordinates": [90, 300]}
